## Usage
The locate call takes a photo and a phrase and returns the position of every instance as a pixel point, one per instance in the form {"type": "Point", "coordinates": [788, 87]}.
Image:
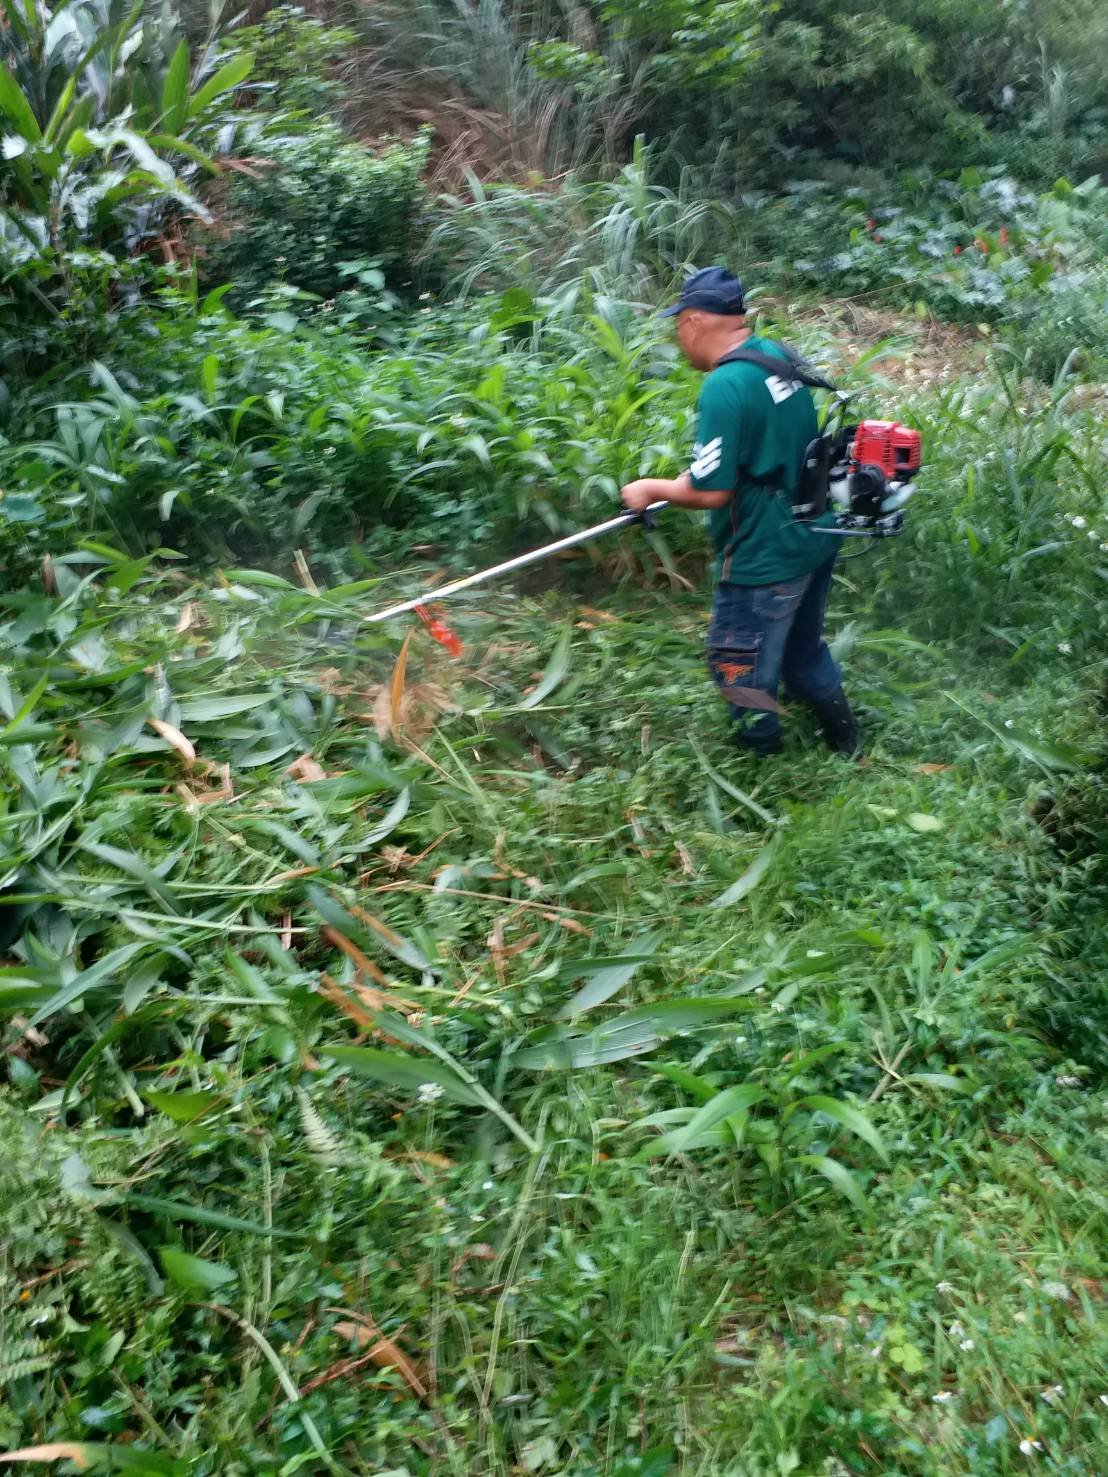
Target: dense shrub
{"type": "Point", "coordinates": [1067, 323]}
{"type": "Point", "coordinates": [316, 203]}
{"type": "Point", "coordinates": [212, 434]}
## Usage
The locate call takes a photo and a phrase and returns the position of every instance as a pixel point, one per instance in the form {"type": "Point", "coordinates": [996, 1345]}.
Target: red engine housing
{"type": "Point", "coordinates": [888, 445]}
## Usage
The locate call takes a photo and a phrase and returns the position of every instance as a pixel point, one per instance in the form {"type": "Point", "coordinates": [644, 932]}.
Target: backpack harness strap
{"type": "Point", "coordinates": [817, 456]}
{"type": "Point", "coordinates": [792, 367]}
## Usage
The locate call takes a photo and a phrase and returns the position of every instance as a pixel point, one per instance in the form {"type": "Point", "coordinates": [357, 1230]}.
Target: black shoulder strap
{"type": "Point", "coordinates": [793, 367]}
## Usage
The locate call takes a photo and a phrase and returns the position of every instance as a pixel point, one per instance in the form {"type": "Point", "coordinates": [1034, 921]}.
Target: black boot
{"type": "Point", "coordinates": [840, 728]}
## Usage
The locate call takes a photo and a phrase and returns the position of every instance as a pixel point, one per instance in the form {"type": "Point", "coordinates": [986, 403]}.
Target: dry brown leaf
{"type": "Point", "coordinates": [54, 1451]}
{"type": "Point", "coordinates": [174, 738]}
{"type": "Point", "coordinates": [382, 930]}
{"type": "Point", "coordinates": [496, 945]}
{"type": "Point", "coordinates": [186, 618]}
{"type": "Point", "coordinates": [425, 1156]}
{"type": "Point", "coordinates": [306, 769]}
{"type": "Point", "coordinates": [570, 924]}
{"type": "Point", "coordinates": [396, 685]}
{"type": "Point", "coordinates": [36, 1038]}
{"type": "Point", "coordinates": [352, 952]}
{"type": "Point", "coordinates": [293, 873]}
{"type": "Point", "coordinates": [305, 573]}
{"type": "Point", "coordinates": [933, 768]}
{"type": "Point", "coordinates": [350, 1008]}
{"type": "Point", "coordinates": [383, 1351]}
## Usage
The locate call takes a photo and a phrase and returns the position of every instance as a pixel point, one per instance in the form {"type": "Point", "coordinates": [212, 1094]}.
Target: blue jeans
{"type": "Point", "coordinates": [763, 634]}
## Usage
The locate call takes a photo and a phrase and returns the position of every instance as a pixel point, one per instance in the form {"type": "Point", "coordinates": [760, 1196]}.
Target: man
{"type": "Point", "coordinates": [773, 573]}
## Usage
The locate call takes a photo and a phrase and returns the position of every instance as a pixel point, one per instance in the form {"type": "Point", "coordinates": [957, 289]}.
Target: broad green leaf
{"type": "Point", "coordinates": [30, 703]}
{"type": "Point", "coordinates": [843, 1113]}
{"type": "Point", "coordinates": [15, 107]}
{"type": "Point", "coordinates": [389, 821]}
{"type": "Point", "coordinates": [607, 976]}
{"type": "Point", "coordinates": [211, 709]}
{"type": "Point", "coordinates": [664, 1145]}
{"type": "Point", "coordinates": [181, 1210]}
{"type": "Point", "coordinates": [193, 1271]}
{"type": "Point", "coordinates": [632, 1034]}
{"type": "Point", "coordinates": [424, 1040]}
{"type": "Point", "coordinates": [87, 980]}
{"type": "Point", "coordinates": [159, 1009]}
{"type": "Point", "coordinates": [837, 1175]}
{"type": "Point", "coordinates": [687, 1081]}
{"type": "Point", "coordinates": [749, 879]}
{"type": "Point", "coordinates": [175, 89]}
{"type": "Point", "coordinates": [1049, 756]}
{"type": "Point", "coordinates": [940, 1081]}
{"type": "Point", "coordinates": [1022, 947]}
{"type": "Point", "coordinates": [397, 1070]}
{"type": "Point", "coordinates": [725, 1105]}
{"type": "Point", "coordinates": [366, 931]}
{"type": "Point", "coordinates": [229, 75]}
{"type": "Point", "coordinates": [185, 1107]}
{"type": "Point", "coordinates": [261, 577]}
{"type": "Point", "coordinates": [555, 671]}
{"type": "Point", "coordinates": [733, 790]}
{"type": "Point", "coordinates": [133, 866]}
{"type": "Point", "coordinates": [209, 370]}
{"type": "Point", "coordinates": [810, 1058]}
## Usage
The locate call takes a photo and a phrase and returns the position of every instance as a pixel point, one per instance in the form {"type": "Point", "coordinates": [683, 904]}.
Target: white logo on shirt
{"type": "Point", "coordinates": [781, 389]}
{"type": "Point", "coordinates": [706, 459]}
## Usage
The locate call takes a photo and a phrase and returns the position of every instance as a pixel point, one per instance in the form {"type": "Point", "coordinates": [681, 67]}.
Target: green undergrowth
{"type": "Point", "coordinates": [523, 1079]}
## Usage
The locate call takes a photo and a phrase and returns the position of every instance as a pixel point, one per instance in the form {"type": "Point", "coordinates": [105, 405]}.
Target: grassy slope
{"type": "Point", "coordinates": [575, 1308]}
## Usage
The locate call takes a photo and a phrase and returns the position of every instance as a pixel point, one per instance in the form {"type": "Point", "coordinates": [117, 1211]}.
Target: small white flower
{"type": "Point", "coordinates": [966, 1345]}
{"type": "Point", "coordinates": [1008, 723]}
{"type": "Point", "coordinates": [1028, 1447]}
{"type": "Point", "coordinates": [777, 1005]}
{"type": "Point", "coordinates": [943, 1397]}
{"type": "Point", "coordinates": [1103, 1399]}
{"type": "Point", "coordinates": [955, 1331]}
{"type": "Point", "coordinates": [429, 1092]}
{"type": "Point", "coordinates": [328, 451]}
{"type": "Point", "coordinates": [1065, 648]}
{"type": "Point", "coordinates": [1104, 548]}
{"type": "Point", "coordinates": [488, 1185]}
{"type": "Point", "coordinates": [1054, 1393]}
{"type": "Point", "coordinates": [1078, 521]}
{"type": "Point", "coordinates": [1092, 533]}
{"type": "Point", "coordinates": [1066, 1080]}
{"type": "Point", "coordinates": [944, 1287]}
{"type": "Point", "coordinates": [1058, 1292]}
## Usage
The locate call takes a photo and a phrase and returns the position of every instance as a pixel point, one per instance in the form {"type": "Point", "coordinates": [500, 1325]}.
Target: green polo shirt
{"type": "Point", "coordinates": [752, 433]}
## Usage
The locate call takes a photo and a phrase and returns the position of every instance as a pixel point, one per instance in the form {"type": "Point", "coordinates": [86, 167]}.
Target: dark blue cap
{"type": "Point", "coordinates": [712, 290]}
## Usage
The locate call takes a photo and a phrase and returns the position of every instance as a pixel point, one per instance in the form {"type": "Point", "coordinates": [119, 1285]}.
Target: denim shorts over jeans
{"type": "Point", "coordinates": [761, 635]}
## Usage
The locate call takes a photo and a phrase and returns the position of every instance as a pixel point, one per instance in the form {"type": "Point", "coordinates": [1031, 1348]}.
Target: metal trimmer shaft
{"type": "Point", "coordinates": [623, 520]}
